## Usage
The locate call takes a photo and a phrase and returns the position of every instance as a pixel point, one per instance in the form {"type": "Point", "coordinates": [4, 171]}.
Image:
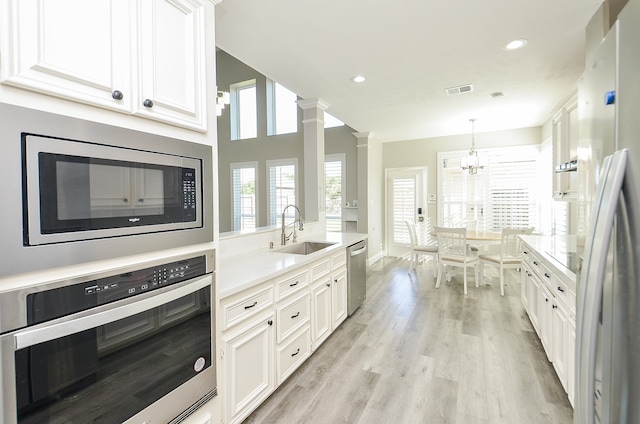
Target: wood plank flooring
{"type": "Point", "coordinates": [416, 354]}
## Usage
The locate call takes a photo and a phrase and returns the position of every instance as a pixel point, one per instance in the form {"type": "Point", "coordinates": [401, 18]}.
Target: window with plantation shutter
{"type": "Point", "coordinates": [334, 188]}
{"type": "Point", "coordinates": [505, 193]}
{"type": "Point", "coordinates": [243, 192]}
{"type": "Point", "coordinates": [281, 175]}
{"type": "Point", "coordinates": [404, 206]}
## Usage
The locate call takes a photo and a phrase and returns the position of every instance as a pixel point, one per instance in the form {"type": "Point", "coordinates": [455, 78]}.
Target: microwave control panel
{"type": "Point", "coordinates": [189, 203]}
{"type": "Point", "coordinates": [51, 304]}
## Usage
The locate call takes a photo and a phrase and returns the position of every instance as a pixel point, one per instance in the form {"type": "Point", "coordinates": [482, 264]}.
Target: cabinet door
{"type": "Point", "coordinates": [321, 312]}
{"type": "Point", "coordinates": [249, 368]}
{"type": "Point", "coordinates": [547, 303]}
{"type": "Point", "coordinates": [339, 298]}
{"type": "Point", "coordinates": [560, 342]}
{"type": "Point", "coordinates": [571, 364]}
{"type": "Point", "coordinates": [171, 62]}
{"type": "Point", "coordinates": [52, 51]}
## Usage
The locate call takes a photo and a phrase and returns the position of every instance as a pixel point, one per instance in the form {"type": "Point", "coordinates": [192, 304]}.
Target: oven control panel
{"type": "Point", "coordinates": [51, 304]}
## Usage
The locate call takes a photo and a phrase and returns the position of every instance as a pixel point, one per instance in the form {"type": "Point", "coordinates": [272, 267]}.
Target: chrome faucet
{"type": "Point", "coordinates": [284, 237]}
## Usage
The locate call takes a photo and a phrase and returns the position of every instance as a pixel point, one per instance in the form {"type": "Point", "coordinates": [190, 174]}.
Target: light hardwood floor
{"type": "Point", "coordinates": [416, 354]}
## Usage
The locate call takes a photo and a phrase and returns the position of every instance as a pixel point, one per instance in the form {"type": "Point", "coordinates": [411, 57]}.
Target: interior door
{"type": "Point", "coordinates": [405, 194]}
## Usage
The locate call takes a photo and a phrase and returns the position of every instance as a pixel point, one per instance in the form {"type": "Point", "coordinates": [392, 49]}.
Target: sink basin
{"type": "Point", "coordinates": [305, 248]}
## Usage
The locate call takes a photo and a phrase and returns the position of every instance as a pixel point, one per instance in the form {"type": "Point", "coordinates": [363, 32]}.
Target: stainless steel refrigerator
{"type": "Point", "coordinates": [608, 305]}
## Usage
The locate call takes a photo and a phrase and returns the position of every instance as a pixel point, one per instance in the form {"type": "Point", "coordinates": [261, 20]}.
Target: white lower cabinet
{"type": "Point", "coordinates": [329, 297]}
{"type": "Point", "coordinates": [269, 330]}
{"type": "Point", "coordinates": [249, 367]}
{"type": "Point", "coordinates": [546, 296]}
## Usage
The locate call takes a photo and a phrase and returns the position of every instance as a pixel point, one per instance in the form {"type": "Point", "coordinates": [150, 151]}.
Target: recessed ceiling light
{"type": "Point", "coordinates": [515, 44]}
{"type": "Point", "coordinates": [358, 78]}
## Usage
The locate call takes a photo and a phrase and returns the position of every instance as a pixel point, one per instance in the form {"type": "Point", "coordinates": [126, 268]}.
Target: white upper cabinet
{"type": "Point", "coordinates": [171, 62]}
{"type": "Point", "coordinates": [144, 58]}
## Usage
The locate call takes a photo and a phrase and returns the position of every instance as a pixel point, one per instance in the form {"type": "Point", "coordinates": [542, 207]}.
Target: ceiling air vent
{"type": "Point", "coordinates": [459, 89]}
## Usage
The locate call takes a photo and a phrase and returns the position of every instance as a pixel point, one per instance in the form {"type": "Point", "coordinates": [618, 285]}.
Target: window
{"type": "Point", "coordinates": [243, 191]}
{"type": "Point", "coordinates": [244, 113]}
{"type": "Point", "coordinates": [331, 121]}
{"type": "Point", "coordinates": [282, 109]}
{"type": "Point", "coordinates": [334, 190]}
{"type": "Point", "coordinates": [505, 193]}
{"type": "Point", "coordinates": [282, 175]}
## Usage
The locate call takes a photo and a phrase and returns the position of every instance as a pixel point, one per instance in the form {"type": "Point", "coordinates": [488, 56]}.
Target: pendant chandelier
{"type": "Point", "coordinates": [471, 163]}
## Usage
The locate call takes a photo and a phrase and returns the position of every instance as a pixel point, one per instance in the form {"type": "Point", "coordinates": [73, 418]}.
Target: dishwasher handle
{"type": "Point", "coordinates": [358, 252]}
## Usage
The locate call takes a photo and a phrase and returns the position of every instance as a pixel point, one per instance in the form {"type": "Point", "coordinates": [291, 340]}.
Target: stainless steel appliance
{"type": "Point", "coordinates": [76, 191]}
{"type": "Point", "coordinates": [132, 345]}
{"type": "Point", "coordinates": [356, 275]}
{"type": "Point", "coordinates": [608, 316]}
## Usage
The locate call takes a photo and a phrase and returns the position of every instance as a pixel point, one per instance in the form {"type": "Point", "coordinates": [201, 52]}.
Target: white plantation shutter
{"type": "Point", "coordinates": [502, 194]}
{"type": "Point", "coordinates": [404, 206]}
{"type": "Point", "coordinates": [334, 187]}
{"type": "Point", "coordinates": [282, 188]}
{"type": "Point", "coordinates": [243, 192]}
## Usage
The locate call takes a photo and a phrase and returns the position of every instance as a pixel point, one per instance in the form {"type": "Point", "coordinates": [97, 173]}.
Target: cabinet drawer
{"type": "Point", "coordinates": [237, 310]}
{"type": "Point", "coordinates": [292, 284]}
{"type": "Point", "coordinates": [292, 316]}
{"type": "Point", "coordinates": [338, 261]}
{"type": "Point", "coordinates": [320, 270]}
{"type": "Point", "coordinates": [293, 354]}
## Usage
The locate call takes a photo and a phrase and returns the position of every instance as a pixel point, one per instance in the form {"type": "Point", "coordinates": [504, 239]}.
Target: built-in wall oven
{"type": "Point", "coordinates": [76, 191]}
{"type": "Point", "coordinates": [131, 345]}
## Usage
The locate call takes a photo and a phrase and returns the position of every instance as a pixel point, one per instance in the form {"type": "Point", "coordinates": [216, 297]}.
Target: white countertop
{"type": "Point", "coordinates": [240, 272]}
{"type": "Point", "coordinates": [549, 247]}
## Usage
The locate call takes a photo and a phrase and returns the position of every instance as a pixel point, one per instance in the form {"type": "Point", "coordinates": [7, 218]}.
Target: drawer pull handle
{"type": "Point", "coordinates": [547, 275]}
{"type": "Point", "coordinates": [297, 351]}
{"type": "Point", "coordinates": [525, 252]}
{"type": "Point", "coordinates": [535, 263]}
{"type": "Point", "coordinates": [555, 306]}
{"type": "Point", "coordinates": [328, 284]}
{"type": "Point", "coordinates": [560, 289]}
{"type": "Point", "coordinates": [270, 322]}
{"type": "Point", "coordinates": [294, 284]}
{"type": "Point", "coordinates": [295, 316]}
{"type": "Point", "coordinates": [251, 306]}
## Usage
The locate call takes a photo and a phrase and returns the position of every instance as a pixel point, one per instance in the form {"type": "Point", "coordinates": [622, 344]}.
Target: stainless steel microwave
{"type": "Point", "coordinates": [75, 191]}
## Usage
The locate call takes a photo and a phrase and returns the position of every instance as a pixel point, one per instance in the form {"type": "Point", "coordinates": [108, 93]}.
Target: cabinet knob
{"type": "Point", "coordinates": [328, 284]}
{"type": "Point", "coordinates": [270, 322]}
{"type": "Point", "coordinates": [147, 103]}
{"type": "Point", "coordinates": [117, 95]}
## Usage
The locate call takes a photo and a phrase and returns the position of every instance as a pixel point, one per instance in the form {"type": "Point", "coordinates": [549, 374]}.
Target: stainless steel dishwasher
{"type": "Point", "coordinates": [356, 275]}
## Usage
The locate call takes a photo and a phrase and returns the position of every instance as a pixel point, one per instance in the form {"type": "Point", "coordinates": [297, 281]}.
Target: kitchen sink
{"type": "Point", "coordinates": [304, 248]}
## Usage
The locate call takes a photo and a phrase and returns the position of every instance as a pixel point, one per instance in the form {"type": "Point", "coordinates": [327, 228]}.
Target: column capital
{"type": "Point", "coordinates": [313, 103]}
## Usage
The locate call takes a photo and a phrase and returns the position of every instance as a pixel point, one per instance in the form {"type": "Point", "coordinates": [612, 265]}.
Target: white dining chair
{"type": "Point", "coordinates": [428, 248]}
{"type": "Point", "coordinates": [509, 256]}
{"type": "Point", "coordinates": [453, 251]}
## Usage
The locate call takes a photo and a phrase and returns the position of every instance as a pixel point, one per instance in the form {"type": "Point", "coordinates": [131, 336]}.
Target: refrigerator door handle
{"type": "Point", "coordinates": [592, 282]}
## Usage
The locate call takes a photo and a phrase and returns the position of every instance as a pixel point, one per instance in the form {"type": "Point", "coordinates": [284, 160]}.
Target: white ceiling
{"type": "Point", "coordinates": [410, 51]}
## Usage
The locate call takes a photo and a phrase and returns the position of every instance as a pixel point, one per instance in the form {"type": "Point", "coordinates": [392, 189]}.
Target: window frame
{"type": "Point", "coordinates": [234, 218]}
{"type": "Point", "coordinates": [273, 214]}
{"type": "Point", "coordinates": [273, 112]}
{"type": "Point", "coordinates": [483, 200]}
{"type": "Point", "coordinates": [342, 158]}
{"type": "Point", "coordinates": [236, 107]}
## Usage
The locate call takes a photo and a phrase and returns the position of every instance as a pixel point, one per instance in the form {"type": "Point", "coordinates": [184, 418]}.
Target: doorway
{"type": "Point", "coordinates": [405, 196]}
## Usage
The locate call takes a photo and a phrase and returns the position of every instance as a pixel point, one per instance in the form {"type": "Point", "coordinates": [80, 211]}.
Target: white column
{"type": "Point", "coordinates": [313, 131]}
{"type": "Point", "coordinates": [362, 146]}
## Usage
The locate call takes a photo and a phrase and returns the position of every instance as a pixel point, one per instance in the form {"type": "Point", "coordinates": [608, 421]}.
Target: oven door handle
{"type": "Point", "coordinates": [30, 337]}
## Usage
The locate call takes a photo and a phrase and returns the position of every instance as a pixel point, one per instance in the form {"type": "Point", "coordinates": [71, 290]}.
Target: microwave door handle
{"type": "Point", "coordinates": [592, 283]}
{"type": "Point", "coordinates": [28, 337]}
